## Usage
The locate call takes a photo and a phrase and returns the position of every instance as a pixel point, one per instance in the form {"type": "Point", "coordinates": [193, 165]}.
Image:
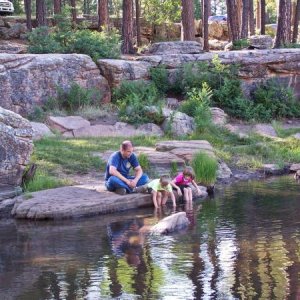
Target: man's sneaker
{"type": "Point", "coordinates": [141, 189]}
{"type": "Point", "coordinates": [120, 191]}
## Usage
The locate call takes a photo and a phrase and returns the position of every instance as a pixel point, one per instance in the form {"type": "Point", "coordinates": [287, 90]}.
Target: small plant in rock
{"type": "Point", "coordinates": [205, 168]}
{"type": "Point", "coordinates": [174, 168]}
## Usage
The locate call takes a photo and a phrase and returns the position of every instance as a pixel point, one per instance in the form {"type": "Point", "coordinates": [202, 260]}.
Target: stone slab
{"type": "Point", "coordinates": [7, 192]}
{"type": "Point", "coordinates": [75, 201]}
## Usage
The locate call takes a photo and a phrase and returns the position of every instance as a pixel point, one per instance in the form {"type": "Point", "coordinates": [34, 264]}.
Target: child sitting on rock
{"type": "Point", "coordinates": [161, 189]}
{"type": "Point", "coordinates": [183, 182]}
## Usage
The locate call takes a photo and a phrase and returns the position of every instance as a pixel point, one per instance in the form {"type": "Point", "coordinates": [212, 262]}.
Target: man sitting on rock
{"type": "Point", "coordinates": [117, 178]}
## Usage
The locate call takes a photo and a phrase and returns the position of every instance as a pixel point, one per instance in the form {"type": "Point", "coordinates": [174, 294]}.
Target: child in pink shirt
{"type": "Point", "coordinates": [184, 180]}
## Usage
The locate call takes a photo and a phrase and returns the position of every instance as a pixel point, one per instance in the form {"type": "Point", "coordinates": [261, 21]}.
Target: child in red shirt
{"type": "Point", "coordinates": [184, 180]}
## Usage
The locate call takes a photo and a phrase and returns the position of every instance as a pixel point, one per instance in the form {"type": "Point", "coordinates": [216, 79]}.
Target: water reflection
{"type": "Point", "coordinates": [243, 244]}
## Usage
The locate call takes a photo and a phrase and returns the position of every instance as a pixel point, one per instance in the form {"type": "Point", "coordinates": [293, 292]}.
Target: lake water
{"type": "Point", "coordinates": [242, 244]}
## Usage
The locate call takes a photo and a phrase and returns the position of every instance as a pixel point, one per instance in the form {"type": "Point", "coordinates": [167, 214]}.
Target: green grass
{"type": "Point", "coordinates": [205, 168]}
{"type": "Point", "coordinates": [44, 181]}
{"type": "Point", "coordinates": [58, 157]}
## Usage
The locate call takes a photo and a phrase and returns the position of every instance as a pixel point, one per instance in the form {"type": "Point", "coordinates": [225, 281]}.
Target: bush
{"type": "Point", "coordinates": [205, 168]}
{"type": "Point", "coordinates": [197, 98]}
{"type": "Point", "coordinates": [272, 100]}
{"type": "Point", "coordinates": [72, 99]}
{"type": "Point", "coordinates": [240, 44]}
{"type": "Point", "coordinates": [159, 76]}
{"type": "Point", "coordinates": [64, 38]}
{"type": "Point", "coordinates": [134, 99]}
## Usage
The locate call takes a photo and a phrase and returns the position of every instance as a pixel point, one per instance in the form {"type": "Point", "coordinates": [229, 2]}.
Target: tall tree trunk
{"type": "Point", "coordinates": [73, 10]}
{"type": "Point", "coordinates": [138, 23]}
{"type": "Point", "coordinates": [205, 13]}
{"type": "Point", "coordinates": [127, 28]}
{"type": "Point", "coordinates": [245, 19]}
{"type": "Point", "coordinates": [86, 7]}
{"type": "Point", "coordinates": [187, 17]}
{"type": "Point", "coordinates": [57, 6]}
{"type": "Point", "coordinates": [283, 34]}
{"type": "Point", "coordinates": [258, 14]}
{"type": "Point", "coordinates": [296, 22]}
{"type": "Point", "coordinates": [251, 18]}
{"type": "Point", "coordinates": [41, 13]}
{"type": "Point", "coordinates": [103, 17]}
{"type": "Point", "coordinates": [232, 20]}
{"type": "Point", "coordinates": [263, 16]}
{"type": "Point", "coordinates": [239, 6]}
{"type": "Point", "coordinates": [27, 6]}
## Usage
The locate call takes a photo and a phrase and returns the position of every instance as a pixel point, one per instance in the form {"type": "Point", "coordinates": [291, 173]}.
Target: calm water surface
{"type": "Point", "coordinates": [242, 244]}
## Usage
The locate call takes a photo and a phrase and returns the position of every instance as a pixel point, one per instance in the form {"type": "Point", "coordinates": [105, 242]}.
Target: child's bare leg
{"type": "Point", "coordinates": [159, 198]}
{"type": "Point", "coordinates": [186, 194]}
{"type": "Point", "coordinates": [165, 197]}
{"type": "Point", "coordinates": [190, 192]}
{"type": "Point", "coordinates": [155, 198]}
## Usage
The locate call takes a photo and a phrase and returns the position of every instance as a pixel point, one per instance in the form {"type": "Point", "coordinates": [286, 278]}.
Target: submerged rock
{"type": "Point", "coordinates": [171, 223]}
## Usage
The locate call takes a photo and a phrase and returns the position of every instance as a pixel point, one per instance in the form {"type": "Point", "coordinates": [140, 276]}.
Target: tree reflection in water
{"type": "Point", "coordinates": [243, 244]}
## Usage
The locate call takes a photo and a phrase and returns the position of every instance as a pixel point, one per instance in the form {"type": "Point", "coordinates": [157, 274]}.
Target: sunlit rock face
{"type": "Point", "coordinates": [29, 80]}
{"type": "Point", "coordinates": [15, 148]}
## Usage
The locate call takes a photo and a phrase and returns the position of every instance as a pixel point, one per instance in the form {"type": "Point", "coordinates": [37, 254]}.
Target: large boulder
{"type": "Point", "coordinates": [12, 47]}
{"type": "Point", "coordinates": [15, 148]}
{"type": "Point", "coordinates": [179, 124]}
{"type": "Point", "coordinates": [118, 70]}
{"type": "Point", "coordinates": [30, 79]}
{"type": "Point", "coordinates": [166, 48]}
{"type": "Point", "coordinates": [261, 41]}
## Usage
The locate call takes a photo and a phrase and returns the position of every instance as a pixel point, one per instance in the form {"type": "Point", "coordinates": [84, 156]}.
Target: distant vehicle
{"type": "Point", "coordinates": [6, 7]}
{"type": "Point", "coordinates": [218, 18]}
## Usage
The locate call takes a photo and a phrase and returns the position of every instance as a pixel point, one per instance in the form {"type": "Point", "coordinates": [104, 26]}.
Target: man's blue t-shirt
{"type": "Point", "coordinates": [121, 164]}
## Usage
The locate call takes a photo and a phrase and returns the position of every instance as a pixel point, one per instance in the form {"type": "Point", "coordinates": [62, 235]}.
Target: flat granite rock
{"type": "Point", "coordinates": [74, 202]}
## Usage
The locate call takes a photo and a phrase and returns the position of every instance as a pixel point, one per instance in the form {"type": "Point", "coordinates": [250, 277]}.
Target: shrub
{"type": "Point", "coordinates": [138, 102]}
{"type": "Point", "coordinates": [72, 99]}
{"type": "Point", "coordinates": [272, 100]}
{"type": "Point", "coordinates": [144, 161]}
{"type": "Point", "coordinates": [159, 76]}
{"type": "Point", "coordinates": [41, 41]}
{"type": "Point", "coordinates": [64, 38]}
{"type": "Point", "coordinates": [205, 168]}
{"type": "Point", "coordinates": [197, 98]}
{"type": "Point", "coordinates": [240, 44]}
{"type": "Point", "coordinates": [96, 44]}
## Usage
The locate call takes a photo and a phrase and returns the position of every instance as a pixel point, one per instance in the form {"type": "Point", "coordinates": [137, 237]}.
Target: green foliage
{"type": "Point", "coordinates": [97, 44]}
{"type": "Point", "coordinates": [44, 181]}
{"type": "Point", "coordinates": [291, 45]}
{"type": "Point", "coordinates": [240, 44]}
{"type": "Point", "coordinates": [197, 98]}
{"type": "Point", "coordinates": [159, 76]}
{"type": "Point", "coordinates": [159, 12]}
{"type": "Point", "coordinates": [41, 41]}
{"type": "Point", "coordinates": [205, 168]}
{"type": "Point", "coordinates": [64, 38]}
{"type": "Point", "coordinates": [272, 100]}
{"type": "Point", "coordinates": [73, 99]}
{"type": "Point", "coordinates": [144, 161]}
{"type": "Point", "coordinates": [38, 114]}
{"type": "Point", "coordinates": [174, 169]}
{"type": "Point", "coordinates": [138, 102]}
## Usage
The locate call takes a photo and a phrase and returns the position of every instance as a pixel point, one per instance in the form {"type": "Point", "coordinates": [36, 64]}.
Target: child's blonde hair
{"type": "Point", "coordinates": [188, 171]}
{"type": "Point", "coordinates": [164, 180]}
